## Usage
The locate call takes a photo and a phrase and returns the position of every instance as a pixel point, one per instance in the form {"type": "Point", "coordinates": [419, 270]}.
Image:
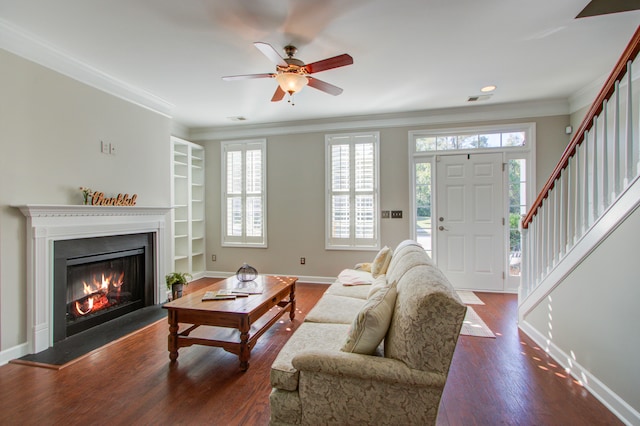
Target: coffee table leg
{"type": "Point", "coordinates": [292, 298]}
{"type": "Point", "coordinates": [245, 350]}
{"type": "Point", "coordinates": [173, 335]}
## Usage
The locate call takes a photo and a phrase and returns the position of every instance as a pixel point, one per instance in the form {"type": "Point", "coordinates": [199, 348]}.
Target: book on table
{"type": "Point", "coordinates": [222, 294]}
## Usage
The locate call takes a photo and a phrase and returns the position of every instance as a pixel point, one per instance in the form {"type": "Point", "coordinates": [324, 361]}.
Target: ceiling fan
{"type": "Point", "coordinates": [604, 7]}
{"type": "Point", "coordinates": [292, 74]}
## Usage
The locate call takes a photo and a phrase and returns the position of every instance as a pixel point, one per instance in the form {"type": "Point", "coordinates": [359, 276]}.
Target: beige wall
{"type": "Point", "coordinates": [296, 210]}
{"type": "Point", "coordinates": [50, 132]}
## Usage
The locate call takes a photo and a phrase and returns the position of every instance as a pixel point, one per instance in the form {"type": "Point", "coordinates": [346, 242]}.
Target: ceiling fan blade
{"type": "Point", "coordinates": [604, 7]}
{"type": "Point", "coordinates": [324, 86]}
{"type": "Point", "coordinates": [278, 95]}
{"type": "Point", "coordinates": [271, 53]}
{"type": "Point", "coordinates": [247, 76]}
{"type": "Point", "coordinates": [329, 63]}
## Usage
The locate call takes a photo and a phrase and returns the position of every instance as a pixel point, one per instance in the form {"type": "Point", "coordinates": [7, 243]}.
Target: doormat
{"type": "Point", "coordinates": [76, 347]}
{"type": "Point", "coordinates": [469, 297]}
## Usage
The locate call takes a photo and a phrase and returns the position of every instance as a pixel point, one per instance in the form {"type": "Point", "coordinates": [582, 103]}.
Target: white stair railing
{"type": "Point", "coordinates": [600, 163]}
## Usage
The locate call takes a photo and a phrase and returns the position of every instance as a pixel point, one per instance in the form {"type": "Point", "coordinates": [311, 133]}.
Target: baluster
{"type": "Point", "coordinates": [556, 222]}
{"type": "Point", "coordinates": [604, 188]}
{"type": "Point", "coordinates": [535, 256]}
{"type": "Point", "coordinates": [526, 254]}
{"type": "Point", "coordinates": [577, 197]}
{"type": "Point", "coordinates": [562, 215]}
{"type": "Point", "coordinates": [585, 183]}
{"type": "Point", "coordinates": [539, 251]}
{"type": "Point", "coordinates": [636, 104]}
{"type": "Point", "coordinates": [617, 176]}
{"type": "Point", "coordinates": [549, 233]}
{"type": "Point", "coordinates": [594, 171]}
{"type": "Point", "coordinates": [570, 210]}
{"type": "Point", "coordinates": [629, 172]}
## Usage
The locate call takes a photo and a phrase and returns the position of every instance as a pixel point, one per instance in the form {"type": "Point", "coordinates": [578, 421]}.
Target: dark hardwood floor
{"type": "Point", "coordinates": [507, 380]}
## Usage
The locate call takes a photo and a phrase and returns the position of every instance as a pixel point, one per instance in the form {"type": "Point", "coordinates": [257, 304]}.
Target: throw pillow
{"type": "Point", "coordinates": [350, 277]}
{"type": "Point", "coordinates": [363, 267]}
{"type": "Point", "coordinates": [372, 322]}
{"type": "Point", "coordinates": [381, 262]}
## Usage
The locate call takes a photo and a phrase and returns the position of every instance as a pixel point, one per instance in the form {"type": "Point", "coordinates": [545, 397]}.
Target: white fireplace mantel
{"type": "Point", "coordinates": [49, 223]}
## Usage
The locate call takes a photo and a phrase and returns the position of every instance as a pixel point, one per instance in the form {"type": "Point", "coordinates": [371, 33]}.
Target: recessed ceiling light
{"type": "Point", "coordinates": [486, 89]}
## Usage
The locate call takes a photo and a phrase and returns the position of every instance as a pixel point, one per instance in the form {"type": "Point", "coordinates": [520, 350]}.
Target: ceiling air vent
{"type": "Point", "coordinates": [477, 98]}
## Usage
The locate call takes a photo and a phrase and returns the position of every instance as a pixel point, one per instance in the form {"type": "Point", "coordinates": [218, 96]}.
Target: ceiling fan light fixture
{"type": "Point", "coordinates": [291, 82]}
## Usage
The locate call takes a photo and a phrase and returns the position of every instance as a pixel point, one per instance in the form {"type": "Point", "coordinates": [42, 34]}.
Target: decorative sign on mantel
{"type": "Point", "coordinates": [99, 199]}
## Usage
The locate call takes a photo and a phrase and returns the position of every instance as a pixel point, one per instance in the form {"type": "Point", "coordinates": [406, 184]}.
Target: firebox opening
{"type": "Point", "coordinates": [100, 279]}
{"type": "Point", "coordinates": [105, 288]}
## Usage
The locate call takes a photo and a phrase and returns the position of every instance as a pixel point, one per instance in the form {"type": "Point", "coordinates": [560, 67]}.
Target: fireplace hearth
{"type": "Point", "coordinates": [100, 279]}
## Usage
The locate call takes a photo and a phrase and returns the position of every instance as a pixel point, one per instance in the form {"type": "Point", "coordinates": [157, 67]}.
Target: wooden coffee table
{"type": "Point", "coordinates": [240, 314]}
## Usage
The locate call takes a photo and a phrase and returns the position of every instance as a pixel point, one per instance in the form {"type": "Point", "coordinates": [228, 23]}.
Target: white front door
{"type": "Point", "coordinates": [469, 220]}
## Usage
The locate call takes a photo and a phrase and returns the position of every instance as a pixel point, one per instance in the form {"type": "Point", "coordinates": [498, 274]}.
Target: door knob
{"type": "Point", "coordinates": [442, 228]}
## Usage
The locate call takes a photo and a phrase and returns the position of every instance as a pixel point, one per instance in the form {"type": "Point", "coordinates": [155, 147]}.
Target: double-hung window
{"type": "Point", "coordinates": [244, 199]}
{"type": "Point", "coordinates": [352, 171]}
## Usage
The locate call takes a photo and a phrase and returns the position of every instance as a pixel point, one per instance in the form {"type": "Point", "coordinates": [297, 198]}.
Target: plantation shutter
{"type": "Point", "coordinates": [352, 182]}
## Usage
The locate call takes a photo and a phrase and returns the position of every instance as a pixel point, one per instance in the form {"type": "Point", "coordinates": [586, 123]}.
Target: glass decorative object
{"type": "Point", "coordinates": [246, 273]}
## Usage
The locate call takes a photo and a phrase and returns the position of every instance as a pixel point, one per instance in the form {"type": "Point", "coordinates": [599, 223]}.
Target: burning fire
{"type": "Point", "coordinates": [99, 294]}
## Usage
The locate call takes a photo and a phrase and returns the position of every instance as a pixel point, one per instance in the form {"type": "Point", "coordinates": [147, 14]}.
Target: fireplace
{"type": "Point", "coordinates": [51, 225]}
{"type": "Point", "coordinates": [100, 279]}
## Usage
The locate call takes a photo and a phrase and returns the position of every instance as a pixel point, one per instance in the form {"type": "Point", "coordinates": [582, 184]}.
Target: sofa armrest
{"type": "Point", "coordinates": [365, 367]}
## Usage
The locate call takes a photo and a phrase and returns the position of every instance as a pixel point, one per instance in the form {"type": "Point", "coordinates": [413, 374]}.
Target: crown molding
{"type": "Point", "coordinates": [419, 118]}
{"type": "Point", "coordinates": [585, 97]}
{"type": "Point", "coordinates": [26, 45]}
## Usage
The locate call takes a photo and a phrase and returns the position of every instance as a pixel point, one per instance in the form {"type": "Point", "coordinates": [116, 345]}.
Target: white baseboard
{"type": "Point", "coordinates": [13, 353]}
{"type": "Point", "coordinates": [301, 278]}
{"type": "Point", "coordinates": [626, 413]}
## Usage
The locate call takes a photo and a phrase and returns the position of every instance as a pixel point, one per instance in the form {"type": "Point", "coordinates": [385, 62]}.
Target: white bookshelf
{"type": "Point", "coordinates": [187, 194]}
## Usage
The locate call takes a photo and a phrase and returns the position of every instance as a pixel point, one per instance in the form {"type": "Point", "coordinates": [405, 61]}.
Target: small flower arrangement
{"type": "Point", "coordinates": [86, 193]}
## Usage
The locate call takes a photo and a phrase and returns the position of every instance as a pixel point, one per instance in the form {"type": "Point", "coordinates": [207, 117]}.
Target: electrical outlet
{"type": "Point", "coordinates": [396, 214]}
{"type": "Point", "coordinates": [112, 149]}
{"type": "Point", "coordinates": [213, 257]}
{"type": "Point", "coordinates": [384, 214]}
{"type": "Point", "coordinates": [303, 261]}
{"type": "Point", "coordinates": [104, 147]}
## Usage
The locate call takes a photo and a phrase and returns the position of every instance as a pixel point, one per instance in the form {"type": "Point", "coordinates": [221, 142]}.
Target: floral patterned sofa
{"type": "Point", "coordinates": [372, 354]}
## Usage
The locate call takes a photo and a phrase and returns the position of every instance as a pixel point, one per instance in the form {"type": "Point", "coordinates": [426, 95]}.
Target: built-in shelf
{"type": "Point", "coordinates": [188, 202]}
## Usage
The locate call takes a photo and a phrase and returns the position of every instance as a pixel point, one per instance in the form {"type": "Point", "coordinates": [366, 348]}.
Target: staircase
{"type": "Point", "coordinates": [581, 238]}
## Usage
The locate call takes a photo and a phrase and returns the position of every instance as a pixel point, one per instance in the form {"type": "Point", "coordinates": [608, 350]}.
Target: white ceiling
{"type": "Point", "coordinates": [409, 55]}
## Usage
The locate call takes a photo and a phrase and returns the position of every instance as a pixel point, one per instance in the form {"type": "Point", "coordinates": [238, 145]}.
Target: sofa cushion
{"type": "Point", "coordinates": [355, 291]}
{"type": "Point", "coordinates": [381, 262]}
{"type": "Point", "coordinates": [372, 321]}
{"type": "Point", "coordinates": [335, 309]}
{"type": "Point", "coordinates": [307, 335]}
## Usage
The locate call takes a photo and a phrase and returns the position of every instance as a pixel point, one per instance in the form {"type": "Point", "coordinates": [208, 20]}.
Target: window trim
{"type": "Point", "coordinates": [331, 139]}
{"type": "Point", "coordinates": [243, 241]}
